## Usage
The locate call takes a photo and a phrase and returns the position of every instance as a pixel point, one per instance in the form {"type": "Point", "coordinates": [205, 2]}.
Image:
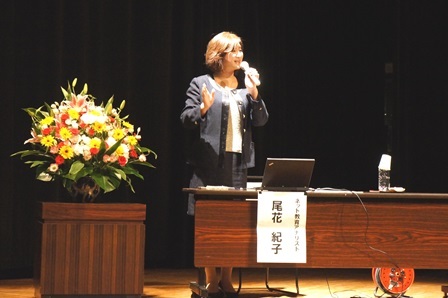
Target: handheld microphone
{"type": "Point", "coordinates": [245, 67]}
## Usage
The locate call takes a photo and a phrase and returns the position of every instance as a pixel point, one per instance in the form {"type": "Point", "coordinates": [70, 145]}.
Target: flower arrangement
{"type": "Point", "coordinates": [75, 139]}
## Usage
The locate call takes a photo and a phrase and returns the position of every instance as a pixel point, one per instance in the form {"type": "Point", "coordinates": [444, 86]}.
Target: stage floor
{"type": "Point", "coordinates": [315, 283]}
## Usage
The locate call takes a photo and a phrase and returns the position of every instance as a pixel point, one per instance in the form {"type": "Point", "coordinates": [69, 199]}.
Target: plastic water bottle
{"type": "Point", "coordinates": [384, 173]}
{"type": "Point", "coordinates": [383, 180]}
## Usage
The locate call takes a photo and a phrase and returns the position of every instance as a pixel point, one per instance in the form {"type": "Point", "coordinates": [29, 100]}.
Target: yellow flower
{"type": "Point", "coordinates": [120, 150]}
{"type": "Point", "coordinates": [65, 133]}
{"type": "Point", "coordinates": [73, 114]}
{"type": "Point", "coordinates": [47, 120]}
{"type": "Point", "coordinates": [118, 134]}
{"type": "Point", "coordinates": [66, 152]}
{"type": "Point", "coordinates": [132, 140]}
{"type": "Point", "coordinates": [128, 126]}
{"type": "Point", "coordinates": [48, 141]}
{"type": "Point", "coordinates": [99, 127]}
{"type": "Point", "coordinates": [95, 143]}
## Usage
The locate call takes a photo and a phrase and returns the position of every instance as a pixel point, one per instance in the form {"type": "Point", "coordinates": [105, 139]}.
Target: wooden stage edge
{"type": "Point", "coordinates": [313, 283]}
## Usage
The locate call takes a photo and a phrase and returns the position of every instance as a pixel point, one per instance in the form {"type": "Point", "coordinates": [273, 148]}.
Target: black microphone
{"type": "Point", "coordinates": [245, 67]}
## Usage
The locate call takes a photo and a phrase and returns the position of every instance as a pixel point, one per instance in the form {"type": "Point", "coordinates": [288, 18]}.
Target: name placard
{"type": "Point", "coordinates": [281, 227]}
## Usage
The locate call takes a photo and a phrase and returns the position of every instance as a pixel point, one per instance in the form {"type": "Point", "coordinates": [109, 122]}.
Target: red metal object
{"type": "Point", "coordinates": [394, 281]}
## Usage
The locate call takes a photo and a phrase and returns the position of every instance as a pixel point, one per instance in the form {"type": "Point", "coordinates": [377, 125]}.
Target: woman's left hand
{"type": "Point", "coordinates": [252, 80]}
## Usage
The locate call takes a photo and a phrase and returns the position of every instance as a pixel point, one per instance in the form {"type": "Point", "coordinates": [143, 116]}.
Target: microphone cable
{"type": "Point", "coordinates": [391, 259]}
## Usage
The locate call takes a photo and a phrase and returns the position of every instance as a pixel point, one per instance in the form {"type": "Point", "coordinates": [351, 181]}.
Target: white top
{"type": "Point", "coordinates": [234, 137]}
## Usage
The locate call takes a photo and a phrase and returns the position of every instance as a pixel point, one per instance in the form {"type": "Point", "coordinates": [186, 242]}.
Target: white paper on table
{"type": "Point", "coordinates": [281, 227]}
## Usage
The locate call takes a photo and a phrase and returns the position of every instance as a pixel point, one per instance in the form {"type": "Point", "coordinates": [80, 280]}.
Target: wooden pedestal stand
{"type": "Point", "coordinates": [89, 249]}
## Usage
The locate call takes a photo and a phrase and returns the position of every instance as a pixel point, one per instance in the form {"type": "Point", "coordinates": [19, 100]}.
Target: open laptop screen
{"type": "Point", "coordinates": [287, 174]}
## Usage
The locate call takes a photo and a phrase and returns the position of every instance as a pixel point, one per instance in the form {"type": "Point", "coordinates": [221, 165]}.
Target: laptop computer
{"type": "Point", "coordinates": [287, 174]}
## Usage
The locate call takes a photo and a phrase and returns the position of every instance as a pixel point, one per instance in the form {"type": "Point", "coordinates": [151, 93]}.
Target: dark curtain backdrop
{"type": "Point", "coordinates": [344, 81]}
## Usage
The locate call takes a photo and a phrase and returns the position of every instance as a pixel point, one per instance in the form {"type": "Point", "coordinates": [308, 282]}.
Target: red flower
{"type": "Point", "coordinates": [46, 131]}
{"type": "Point", "coordinates": [74, 131]}
{"type": "Point", "coordinates": [94, 151]}
{"type": "Point", "coordinates": [133, 154]}
{"type": "Point", "coordinates": [91, 132]}
{"type": "Point", "coordinates": [122, 161]}
{"type": "Point", "coordinates": [59, 160]}
{"type": "Point", "coordinates": [64, 117]}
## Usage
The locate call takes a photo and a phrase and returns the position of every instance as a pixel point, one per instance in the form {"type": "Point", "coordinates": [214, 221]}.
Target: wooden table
{"type": "Point", "coordinates": [344, 230]}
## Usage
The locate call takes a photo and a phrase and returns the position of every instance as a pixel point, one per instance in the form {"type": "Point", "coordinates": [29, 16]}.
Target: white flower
{"type": "Point", "coordinates": [53, 167]}
{"type": "Point", "coordinates": [78, 149]}
{"type": "Point", "coordinates": [74, 124]}
{"type": "Point", "coordinates": [110, 141]}
{"type": "Point", "coordinates": [94, 115]}
{"type": "Point", "coordinates": [85, 139]}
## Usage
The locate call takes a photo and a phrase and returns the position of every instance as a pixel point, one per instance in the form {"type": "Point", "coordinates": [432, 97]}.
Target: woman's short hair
{"type": "Point", "coordinates": [217, 48]}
